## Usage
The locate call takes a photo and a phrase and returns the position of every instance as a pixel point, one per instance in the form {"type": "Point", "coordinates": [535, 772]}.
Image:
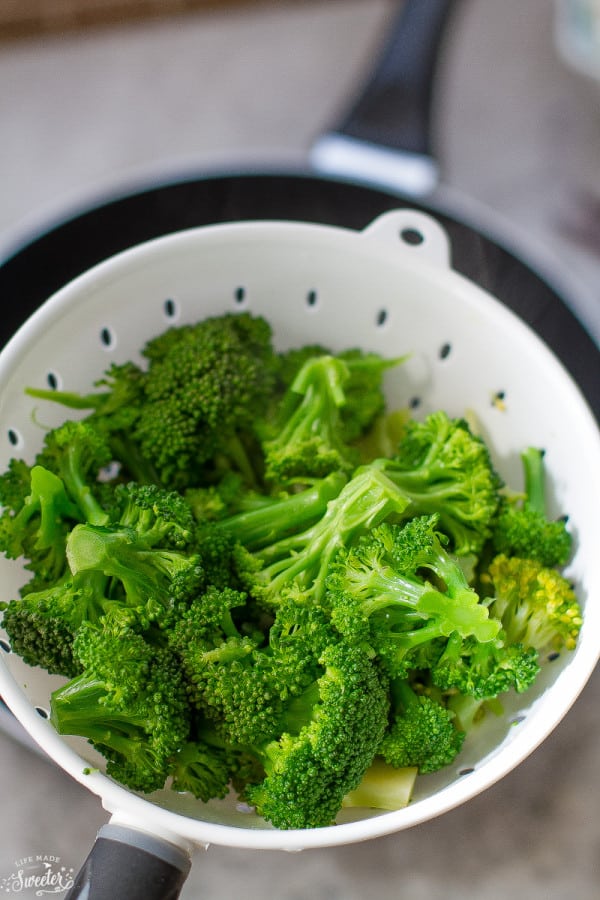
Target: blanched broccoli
{"type": "Point", "coordinates": [398, 590]}
{"type": "Point", "coordinates": [522, 528]}
{"type": "Point", "coordinates": [337, 728]}
{"type": "Point", "coordinates": [485, 669]}
{"type": "Point", "coordinates": [255, 575]}
{"type": "Point", "coordinates": [443, 468]}
{"type": "Point", "coordinates": [206, 386]}
{"type": "Point", "coordinates": [129, 702]}
{"type": "Point", "coordinates": [37, 525]}
{"type": "Point", "coordinates": [422, 732]}
{"type": "Point", "coordinates": [367, 499]}
{"type": "Point", "coordinates": [114, 410]}
{"type": "Point", "coordinates": [308, 441]}
{"type": "Point", "coordinates": [152, 577]}
{"type": "Point", "coordinates": [536, 605]}
{"type": "Point", "coordinates": [280, 517]}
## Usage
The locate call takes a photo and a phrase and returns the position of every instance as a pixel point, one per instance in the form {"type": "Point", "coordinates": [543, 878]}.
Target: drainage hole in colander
{"type": "Point", "coordinates": [239, 294]}
{"type": "Point", "coordinates": [14, 438]}
{"type": "Point", "coordinates": [4, 645]}
{"type": "Point", "coordinates": [170, 308]}
{"type": "Point", "coordinates": [42, 713]}
{"type": "Point", "coordinates": [516, 720]}
{"type": "Point", "coordinates": [311, 299]}
{"type": "Point", "coordinates": [412, 236]}
{"type": "Point", "coordinates": [381, 317]}
{"type": "Point", "coordinates": [414, 402]}
{"type": "Point", "coordinates": [553, 656]}
{"type": "Point", "coordinates": [53, 381]}
{"type": "Point", "coordinates": [468, 771]}
{"type": "Point", "coordinates": [107, 338]}
{"type": "Point", "coordinates": [445, 350]}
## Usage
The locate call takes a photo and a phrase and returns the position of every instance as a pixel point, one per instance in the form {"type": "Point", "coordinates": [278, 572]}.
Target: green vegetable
{"type": "Point", "coordinates": [256, 577]}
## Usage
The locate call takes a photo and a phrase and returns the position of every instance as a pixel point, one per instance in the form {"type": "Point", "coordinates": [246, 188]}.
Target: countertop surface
{"type": "Point", "coordinates": [87, 116]}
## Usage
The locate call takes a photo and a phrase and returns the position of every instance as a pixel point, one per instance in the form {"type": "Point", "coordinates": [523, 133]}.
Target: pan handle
{"type": "Point", "coordinates": [127, 863]}
{"type": "Point", "coordinates": [385, 137]}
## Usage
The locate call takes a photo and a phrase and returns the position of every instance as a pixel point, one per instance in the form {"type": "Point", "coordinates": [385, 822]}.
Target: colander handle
{"type": "Point", "coordinates": [127, 863]}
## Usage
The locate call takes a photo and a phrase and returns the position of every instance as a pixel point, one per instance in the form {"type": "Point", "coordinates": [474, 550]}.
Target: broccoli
{"type": "Point", "coordinates": [364, 397]}
{"type": "Point", "coordinates": [337, 726]}
{"type": "Point", "coordinates": [367, 499]}
{"type": "Point", "coordinates": [308, 441]}
{"type": "Point", "coordinates": [114, 412]}
{"type": "Point", "coordinates": [422, 732]}
{"type": "Point", "coordinates": [399, 590]}
{"type": "Point", "coordinates": [152, 577]}
{"type": "Point", "coordinates": [158, 516]}
{"type": "Point", "coordinates": [201, 770]}
{"type": "Point", "coordinates": [442, 467]}
{"type": "Point", "coordinates": [484, 670]}
{"type": "Point", "coordinates": [129, 702]}
{"type": "Point", "coordinates": [240, 677]}
{"type": "Point", "coordinates": [521, 527]}
{"type": "Point", "coordinates": [37, 525]}
{"type": "Point", "coordinates": [280, 517]}
{"type": "Point", "coordinates": [206, 386]}
{"type": "Point", "coordinates": [536, 604]}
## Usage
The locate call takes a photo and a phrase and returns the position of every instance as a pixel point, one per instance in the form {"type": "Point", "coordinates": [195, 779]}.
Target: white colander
{"type": "Point", "coordinates": [388, 289]}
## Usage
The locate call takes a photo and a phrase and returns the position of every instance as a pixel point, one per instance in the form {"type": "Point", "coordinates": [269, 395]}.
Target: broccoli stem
{"type": "Point", "coordinates": [274, 521]}
{"type": "Point", "coordinates": [68, 398]}
{"type": "Point", "coordinates": [533, 471]}
{"type": "Point", "coordinates": [363, 503]}
{"type": "Point", "coordinates": [383, 787]}
{"type": "Point", "coordinates": [81, 491]}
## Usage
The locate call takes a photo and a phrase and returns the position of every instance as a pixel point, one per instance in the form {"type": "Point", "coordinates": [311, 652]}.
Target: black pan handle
{"type": "Point", "coordinates": [389, 124]}
{"type": "Point", "coordinates": [127, 864]}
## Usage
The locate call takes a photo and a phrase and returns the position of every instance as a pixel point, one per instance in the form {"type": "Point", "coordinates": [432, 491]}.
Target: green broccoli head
{"type": "Point", "coordinates": [310, 770]}
{"type": "Point", "coordinates": [444, 469]}
{"type": "Point", "coordinates": [36, 527]}
{"type": "Point", "coordinates": [522, 528]}
{"type": "Point", "coordinates": [485, 670]}
{"type": "Point", "coordinates": [206, 386]}
{"type": "Point", "coordinates": [536, 604]}
{"type": "Point", "coordinates": [398, 589]}
{"type": "Point", "coordinates": [422, 732]}
{"type": "Point", "coordinates": [201, 770]}
{"type": "Point", "coordinates": [129, 702]}
{"type": "Point", "coordinates": [159, 517]}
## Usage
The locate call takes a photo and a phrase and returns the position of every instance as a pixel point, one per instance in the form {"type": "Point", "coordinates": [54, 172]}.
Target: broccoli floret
{"type": "Point", "coordinates": [36, 527]}
{"type": "Point", "coordinates": [398, 589]}
{"type": "Point", "coordinates": [308, 440]}
{"type": "Point", "coordinates": [159, 517]}
{"type": "Point", "coordinates": [129, 702]}
{"type": "Point", "coordinates": [309, 770]}
{"type": "Point", "coordinates": [206, 386]}
{"type": "Point", "coordinates": [364, 396]}
{"type": "Point", "coordinates": [443, 468]}
{"type": "Point", "coordinates": [283, 516]}
{"type": "Point", "coordinates": [536, 604]}
{"type": "Point", "coordinates": [521, 527]}
{"type": "Point", "coordinates": [42, 625]}
{"type": "Point", "coordinates": [201, 770]}
{"type": "Point", "coordinates": [76, 452]}
{"type": "Point", "coordinates": [422, 732]}
{"type": "Point", "coordinates": [152, 578]}
{"type": "Point", "coordinates": [485, 669]}
{"type": "Point", "coordinates": [114, 413]}
{"type": "Point", "coordinates": [367, 499]}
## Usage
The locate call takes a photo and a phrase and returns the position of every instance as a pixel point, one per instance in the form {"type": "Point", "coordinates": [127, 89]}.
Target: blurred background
{"type": "Point", "coordinates": [102, 97]}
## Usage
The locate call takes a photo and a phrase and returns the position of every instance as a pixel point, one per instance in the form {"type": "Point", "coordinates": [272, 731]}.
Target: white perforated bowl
{"type": "Point", "coordinates": [371, 289]}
